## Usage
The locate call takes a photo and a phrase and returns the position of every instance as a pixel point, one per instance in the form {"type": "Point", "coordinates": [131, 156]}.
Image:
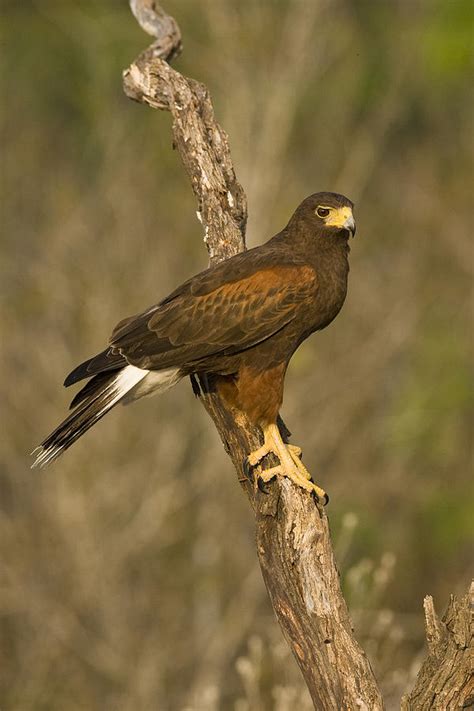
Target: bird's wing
{"type": "Point", "coordinates": [224, 309]}
{"type": "Point", "coordinates": [212, 314]}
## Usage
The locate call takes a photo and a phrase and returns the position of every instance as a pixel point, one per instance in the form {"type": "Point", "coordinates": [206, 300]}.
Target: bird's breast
{"type": "Point", "coordinates": [331, 290]}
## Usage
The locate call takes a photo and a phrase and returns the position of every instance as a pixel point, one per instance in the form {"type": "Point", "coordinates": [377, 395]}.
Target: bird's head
{"type": "Point", "coordinates": [328, 214]}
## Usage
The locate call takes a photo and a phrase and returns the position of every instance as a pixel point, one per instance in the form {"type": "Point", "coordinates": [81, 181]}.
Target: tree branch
{"type": "Point", "coordinates": [292, 532]}
{"type": "Point", "coordinates": [445, 681]}
{"type": "Point", "coordinates": [293, 541]}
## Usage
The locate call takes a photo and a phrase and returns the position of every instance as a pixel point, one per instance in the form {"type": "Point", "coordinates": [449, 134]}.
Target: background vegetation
{"type": "Point", "coordinates": [128, 576]}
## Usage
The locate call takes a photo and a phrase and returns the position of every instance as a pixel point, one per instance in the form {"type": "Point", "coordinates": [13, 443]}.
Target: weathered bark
{"type": "Point", "coordinates": [292, 532]}
{"type": "Point", "coordinates": [201, 142]}
{"type": "Point", "coordinates": [445, 681]}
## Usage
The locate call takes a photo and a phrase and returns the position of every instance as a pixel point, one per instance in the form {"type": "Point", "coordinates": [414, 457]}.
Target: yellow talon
{"type": "Point", "coordinates": [290, 464]}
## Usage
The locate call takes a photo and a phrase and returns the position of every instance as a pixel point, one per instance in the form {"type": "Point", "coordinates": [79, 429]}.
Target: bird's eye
{"type": "Point", "coordinates": [322, 211]}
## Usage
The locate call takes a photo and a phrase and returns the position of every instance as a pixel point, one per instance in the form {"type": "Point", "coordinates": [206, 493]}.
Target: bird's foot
{"type": "Point", "coordinates": [290, 465]}
{"type": "Point", "coordinates": [256, 456]}
{"type": "Point", "coordinates": [265, 475]}
{"type": "Point", "coordinates": [294, 450]}
{"type": "Point", "coordinates": [295, 454]}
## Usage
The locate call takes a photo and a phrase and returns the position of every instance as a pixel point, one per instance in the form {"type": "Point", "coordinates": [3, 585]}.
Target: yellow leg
{"type": "Point", "coordinates": [290, 463]}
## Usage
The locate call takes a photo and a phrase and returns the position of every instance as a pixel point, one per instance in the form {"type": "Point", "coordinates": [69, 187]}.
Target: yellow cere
{"type": "Point", "coordinates": [337, 216]}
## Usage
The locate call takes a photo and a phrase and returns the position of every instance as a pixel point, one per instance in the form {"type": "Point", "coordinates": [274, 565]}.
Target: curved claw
{"type": "Point", "coordinates": [324, 500]}
{"type": "Point", "coordinates": [261, 486]}
{"type": "Point", "coordinates": [247, 469]}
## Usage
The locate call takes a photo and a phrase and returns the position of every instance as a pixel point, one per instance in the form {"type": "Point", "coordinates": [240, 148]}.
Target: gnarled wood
{"type": "Point", "coordinates": [292, 533]}
{"type": "Point", "coordinates": [445, 681]}
{"type": "Point", "coordinates": [293, 539]}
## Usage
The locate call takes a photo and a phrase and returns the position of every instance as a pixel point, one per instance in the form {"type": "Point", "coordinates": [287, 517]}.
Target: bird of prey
{"type": "Point", "coordinates": [239, 321]}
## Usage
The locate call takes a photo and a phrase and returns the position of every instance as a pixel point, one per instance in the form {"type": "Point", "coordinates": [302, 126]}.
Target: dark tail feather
{"type": "Point", "coordinates": [93, 387]}
{"type": "Point", "coordinates": [95, 404]}
{"type": "Point", "coordinates": [105, 361]}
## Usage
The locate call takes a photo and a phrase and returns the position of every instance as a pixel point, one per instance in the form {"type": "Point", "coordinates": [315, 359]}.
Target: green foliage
{"type": "Point", "coordinates": [447, 42]}
{"type": "Point", "coordinates": [435, 397]}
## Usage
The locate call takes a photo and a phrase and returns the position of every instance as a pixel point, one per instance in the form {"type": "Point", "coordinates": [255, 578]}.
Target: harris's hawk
{"type": "Point", "coordinates": [240, 320]}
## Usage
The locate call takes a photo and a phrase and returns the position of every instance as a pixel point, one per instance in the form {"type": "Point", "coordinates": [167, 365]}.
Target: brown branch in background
{"type": "Point", "coordinates": [293, 540]}
{"type": "Point", "coordinates": [446, 678]}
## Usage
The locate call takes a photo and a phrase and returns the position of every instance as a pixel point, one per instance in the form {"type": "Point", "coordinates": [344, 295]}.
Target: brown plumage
{"type": "Point", "coordinates": [241, 319]}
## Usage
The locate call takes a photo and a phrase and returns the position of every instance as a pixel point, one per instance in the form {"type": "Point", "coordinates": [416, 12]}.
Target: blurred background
{"type": "Point", "coordinates": [128, 575]}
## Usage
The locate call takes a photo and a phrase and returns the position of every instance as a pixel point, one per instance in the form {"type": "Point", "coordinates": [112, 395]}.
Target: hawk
{"type": "Point", "coordinates": [240, 320]}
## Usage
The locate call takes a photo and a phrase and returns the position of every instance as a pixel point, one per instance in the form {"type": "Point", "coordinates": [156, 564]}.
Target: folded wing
{"type": "Point", "coordinates": [223, 310]}
{"type": "Point", "coordinates": [229, 318]}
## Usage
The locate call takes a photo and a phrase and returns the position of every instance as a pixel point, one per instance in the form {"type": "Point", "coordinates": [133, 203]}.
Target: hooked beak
{"type": "Point", "coordinates": [350, 225]}
{"type": "Point", "coordinates": [342, 218]}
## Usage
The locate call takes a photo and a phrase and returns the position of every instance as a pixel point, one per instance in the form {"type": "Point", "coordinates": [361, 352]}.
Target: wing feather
{"type": "Point", "coordinates": [228, 317]}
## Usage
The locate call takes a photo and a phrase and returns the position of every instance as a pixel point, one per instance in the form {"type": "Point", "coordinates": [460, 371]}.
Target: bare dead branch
{"type": "Point", "coordinates": [292, 533]}
{"type": "Point", "coordinates": [445, 681]}
{"type": "Point", "coordinates": [293, 540]}
{"type": "Point", "coordinates": [202, 144]}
